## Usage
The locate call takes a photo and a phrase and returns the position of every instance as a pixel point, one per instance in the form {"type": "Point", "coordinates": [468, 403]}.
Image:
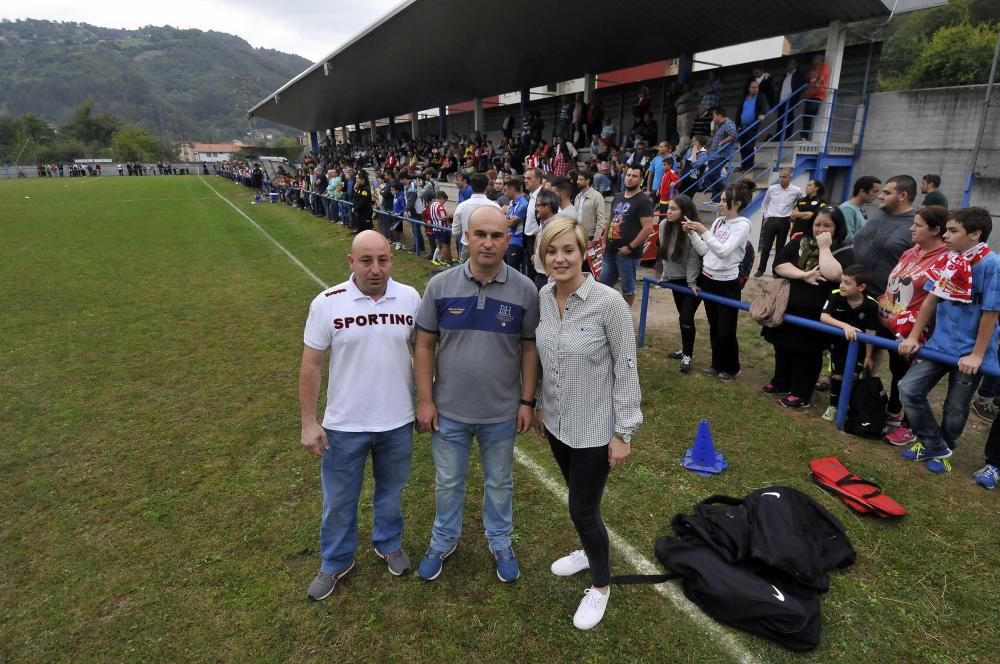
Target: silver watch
{"type": "Point", "coordinates": [624, 437]}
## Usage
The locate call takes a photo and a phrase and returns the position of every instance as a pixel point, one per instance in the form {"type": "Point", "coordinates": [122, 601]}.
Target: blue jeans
{"type": "Point", "coordinates": [384, 223]}
{"type": "Point", "coordinates": [343, 471]}
{"type": "Point", "coordinates": [921, 378]}
{"type": "Point", "coordinates": [418, 237]}
{"type": "Point", "coordinates": [450, 447]}
{"type": "Point", "coordinates": [718, 175]}
{"type": "Point", "coordinates": [618, 266]}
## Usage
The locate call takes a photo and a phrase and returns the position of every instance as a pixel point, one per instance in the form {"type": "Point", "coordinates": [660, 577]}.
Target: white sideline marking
{"type": "Point", "coordinates": [644, 566]}
{"type": "Point", "coordinates": [641, 564]}
{"type": "Point", "coordinates": [291, 257]}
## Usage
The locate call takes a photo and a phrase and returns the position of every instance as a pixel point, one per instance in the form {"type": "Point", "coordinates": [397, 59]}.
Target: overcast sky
{"type": "Point", "coordinates": [311, 30]}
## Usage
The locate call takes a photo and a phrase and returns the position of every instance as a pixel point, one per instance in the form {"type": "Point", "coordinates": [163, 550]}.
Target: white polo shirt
{"type": "Point", "coordinates": [460, 220]}
{"type": "Point", "coordinates": [371, 376]}
{"type": "Point", "coordinates": [531, 222]}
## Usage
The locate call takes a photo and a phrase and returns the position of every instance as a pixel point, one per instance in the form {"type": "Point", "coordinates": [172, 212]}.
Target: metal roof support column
{"type": "Point", "coordinates": [314, 141]}
{"type": "Point", "coordinates": [392, 128]}
{"type": "Point", "coordinates": [588, 88]}
{"type": "Point", "coordinates": [345, 134]}
{"type": "Point", "coordinates": [443, 122]}
{"type": "Point", "coordinates": [414, 125]}
{"type": "Point", "coordinates": [478, 116]}
{"type": "Point", "coordinates": [525, 98]}
{"type": "Point", "coordinates": [836, 40]}
{"type": "Point", "coordinates": [685, 65]}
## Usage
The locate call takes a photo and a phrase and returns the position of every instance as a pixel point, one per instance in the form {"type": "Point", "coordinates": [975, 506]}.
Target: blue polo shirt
{"type": "Point", "coordinates": [956, 325]}
{"type": "Point", "coordinates": [658, 169]}
{"type": "Point", "coordinates": [480, 327]}
{"type": "Point", "coordinates": [518, 208]}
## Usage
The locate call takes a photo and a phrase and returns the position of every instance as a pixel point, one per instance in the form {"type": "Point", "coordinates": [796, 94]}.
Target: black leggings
{"type": "Point", "coordinates": [796, 371]}
{"type": "Point", "coordinates": [686, 305]}
{"type": "Point", "coordinates": [586, 472]}
{"type": "Point", "coordinates": [722, 322]}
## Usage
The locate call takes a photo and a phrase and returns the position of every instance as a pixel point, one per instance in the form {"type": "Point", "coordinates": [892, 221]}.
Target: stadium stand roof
{"type": "Point", "coordinates": [428, 53]}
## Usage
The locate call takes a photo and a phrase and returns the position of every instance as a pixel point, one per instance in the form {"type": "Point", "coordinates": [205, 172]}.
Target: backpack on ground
{"type": "Point", "coordinates": [866, 412]}
{"type": "Point", "coordinates": [758, 563]}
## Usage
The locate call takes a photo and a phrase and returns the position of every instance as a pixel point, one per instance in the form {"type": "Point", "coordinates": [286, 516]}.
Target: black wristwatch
{"type": "Point", "coordinates": [530, 403]}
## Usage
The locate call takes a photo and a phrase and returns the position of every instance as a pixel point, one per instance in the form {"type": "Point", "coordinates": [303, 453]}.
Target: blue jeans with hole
{"type": "Point", "coordinates": [918, 382]}
{"type": "Point", "coordinates": [614, 266]}
{"type": "Point", "coordinates": [450, 447]}
{"type": "Point", "coordinates": [343, 470]}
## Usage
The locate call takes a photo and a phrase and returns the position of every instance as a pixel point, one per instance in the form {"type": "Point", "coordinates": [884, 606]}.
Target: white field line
{"type": "Point", "coordinates": [291, 256]}
{"type": "Point", "coordinates": [639, 562]}
{"type": "Point", "coordinates": [643, 565]}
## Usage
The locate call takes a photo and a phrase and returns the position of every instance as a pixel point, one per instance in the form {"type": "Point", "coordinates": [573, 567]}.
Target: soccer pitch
{"type": "Point", "coordinates": [158, 506]}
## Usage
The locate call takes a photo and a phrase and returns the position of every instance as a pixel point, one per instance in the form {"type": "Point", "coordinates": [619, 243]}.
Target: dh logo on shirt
{"type": "Point", "coordinates": [504, 316]}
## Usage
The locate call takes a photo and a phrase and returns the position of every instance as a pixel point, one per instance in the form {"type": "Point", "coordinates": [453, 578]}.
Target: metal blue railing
{"type": "Point", "coordinates": [343, 205]}
{"type": "Point", "coordinates": [781, 120]}
{"type": "Point", "coordinates": [852, 346]}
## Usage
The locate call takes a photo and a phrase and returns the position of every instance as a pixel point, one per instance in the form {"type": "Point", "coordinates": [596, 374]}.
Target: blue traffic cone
{"type": "Point", "coordinates": [702, 458]}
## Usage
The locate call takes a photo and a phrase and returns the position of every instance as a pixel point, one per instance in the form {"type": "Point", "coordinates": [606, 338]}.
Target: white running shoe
{"type": "Point", "coordinates": [591, 609]}
{"type": "Point", "coordinates": [571, 564]}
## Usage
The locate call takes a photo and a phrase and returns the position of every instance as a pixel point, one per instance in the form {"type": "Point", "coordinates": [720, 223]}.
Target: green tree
{"type": "Point", "coordinates": [134, 144]}
{"type": "Point", "coordinates": [958, 55]}
{"type": "Point", "coordinates": [37, 128]}
{"type": "Point", "coordinates": [88, 128]}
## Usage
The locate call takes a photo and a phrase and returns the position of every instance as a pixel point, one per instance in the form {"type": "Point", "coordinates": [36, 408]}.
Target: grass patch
{"type": "Point", "coordinates": [158, 505]}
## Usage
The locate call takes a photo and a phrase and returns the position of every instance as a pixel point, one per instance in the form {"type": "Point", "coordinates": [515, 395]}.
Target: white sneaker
{"type": "Point", "coordinates": [591, 609]}
{"type": "Point", "coordinates": [571, 564]}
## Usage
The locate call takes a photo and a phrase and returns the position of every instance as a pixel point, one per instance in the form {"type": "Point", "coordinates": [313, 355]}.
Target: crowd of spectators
{"type": "Point", "coordinates": [858, 273]}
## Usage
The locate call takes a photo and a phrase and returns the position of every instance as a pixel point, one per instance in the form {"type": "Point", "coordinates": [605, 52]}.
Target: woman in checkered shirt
{"type": "Point", "coordinates": [589, 402]}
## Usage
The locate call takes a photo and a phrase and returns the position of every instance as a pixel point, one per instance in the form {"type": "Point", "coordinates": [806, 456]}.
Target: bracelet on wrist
{"type": "Point", "coordinates": [530, 403]}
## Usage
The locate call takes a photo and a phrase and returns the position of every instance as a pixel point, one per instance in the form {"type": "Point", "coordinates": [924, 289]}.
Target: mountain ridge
{"type": "Point", "coordinates": [177, 83]}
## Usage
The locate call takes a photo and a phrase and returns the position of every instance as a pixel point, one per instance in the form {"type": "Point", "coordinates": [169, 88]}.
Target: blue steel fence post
{"type": "Point", "coordinates": [847, 385]}
{"type": "Point", "coordinates": [646, 282]}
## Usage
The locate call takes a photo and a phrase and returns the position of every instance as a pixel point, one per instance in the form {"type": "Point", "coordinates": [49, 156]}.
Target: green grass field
{"type": "Point", "coordinates": [157, 505]}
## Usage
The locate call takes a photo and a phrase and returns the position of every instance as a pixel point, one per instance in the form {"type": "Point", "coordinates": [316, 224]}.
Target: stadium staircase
{"type": "Point", "coordinates": [834, 144]}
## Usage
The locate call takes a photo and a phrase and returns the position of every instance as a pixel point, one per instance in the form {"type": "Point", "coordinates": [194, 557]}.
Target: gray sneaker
{"type": "Point", "coordinates": [985, 408]}
{"type": "Point", "coordinates": [398, 561]}
{"type": "Point", "coordinates": [323, 585]}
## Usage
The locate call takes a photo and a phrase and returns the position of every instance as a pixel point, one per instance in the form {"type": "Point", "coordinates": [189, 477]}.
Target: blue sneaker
{"type": "Point", "coordinates": [432, 563]}
{"type": "Point", "coordinates": [939, 466]}
{"type": "Point", "coordinates": [988, 476]}
{"type": "Point", "coordinates": [920, 453]}
{"type": "Point", "coordinates": [508, 569]}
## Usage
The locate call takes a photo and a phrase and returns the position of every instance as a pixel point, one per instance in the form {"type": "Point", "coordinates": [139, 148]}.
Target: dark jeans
{"type": "Point", "coordinates": [796, 371]}
{"type": "Point", "coordinates": [809, 112]}
{"type": "Point", "coordinates": [990, 387]}
{"type": "Point", "coordinates": [529, 251]}
{"type": "Point", "coordinates": [913, 390]}
{"type": "Point", "coordinates": [992, 451]}
{"type": "Point", "coordinates": [898, 366]}
{"type": "Point", "coordinates": [722, 324]}
{"type": "Point", "coordinates": [773, 232]}
{"type": "Point", "coordinates": [747, 147]}
{"type": "Point", "coordinates": [786, 125]}
{"type": "Point", "coordinates": [586, 472]}
{"type": "Point", "coordinates": [514, 257]}
{"type": "Point", "coordinates": [686, 305]}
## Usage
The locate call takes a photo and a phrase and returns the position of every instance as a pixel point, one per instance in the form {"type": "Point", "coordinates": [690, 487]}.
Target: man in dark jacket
{"type": "Point", "coordinates": [790, 94]}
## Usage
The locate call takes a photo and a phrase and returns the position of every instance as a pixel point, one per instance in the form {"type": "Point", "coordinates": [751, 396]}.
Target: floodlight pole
{"type": "Point", "coordinates": [967, 194]}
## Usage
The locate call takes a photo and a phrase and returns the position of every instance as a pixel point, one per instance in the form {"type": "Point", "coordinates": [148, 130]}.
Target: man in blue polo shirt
{"type": "Point", "coordinates": [476, 367]}
{"type": "Point", "coordinates": [517, 212]}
